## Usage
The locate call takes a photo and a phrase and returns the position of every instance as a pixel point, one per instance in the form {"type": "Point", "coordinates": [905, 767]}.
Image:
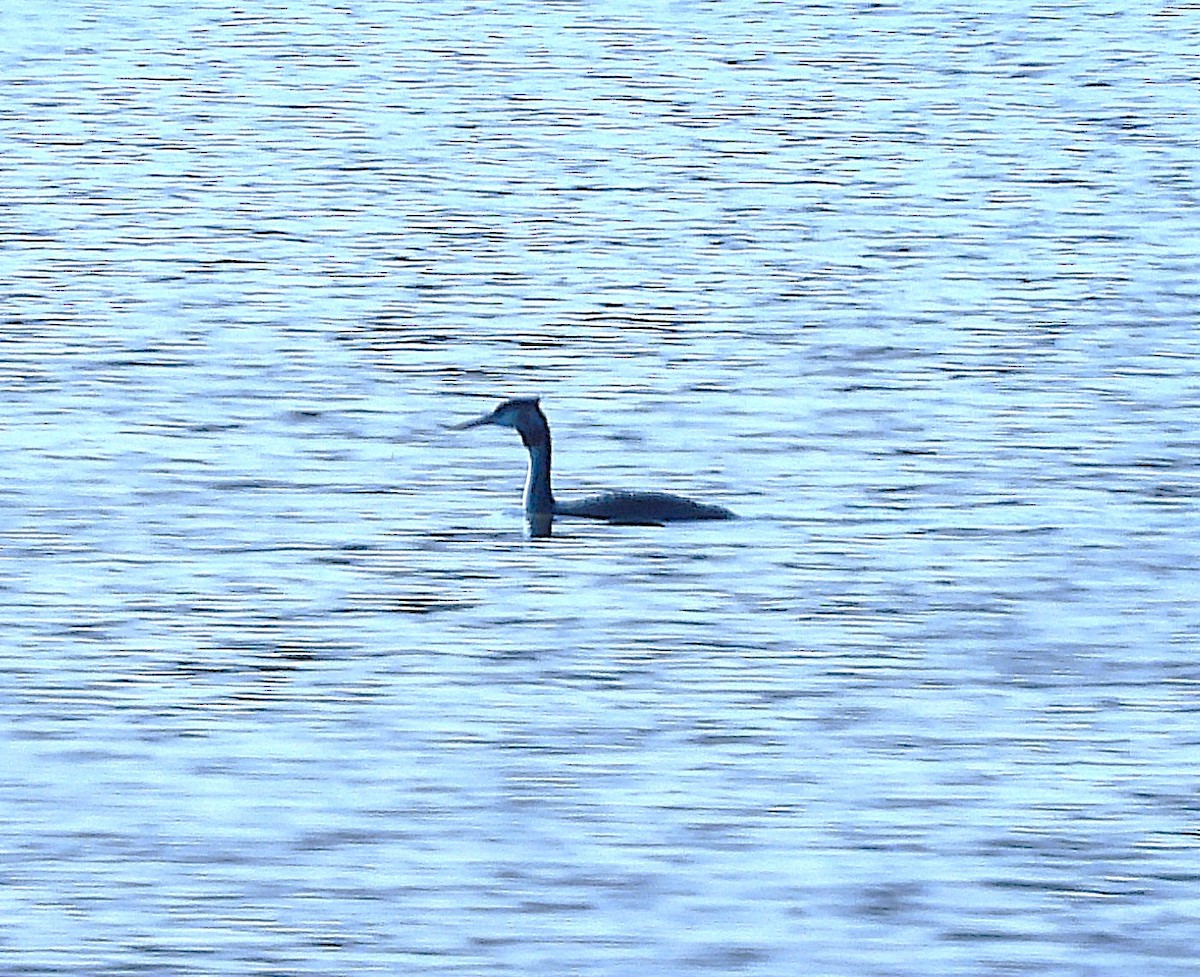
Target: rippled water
{"type": "Point", "coordinates": [912, 289]}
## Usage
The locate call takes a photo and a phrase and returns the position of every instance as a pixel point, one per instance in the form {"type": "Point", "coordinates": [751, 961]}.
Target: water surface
{"type": "Point", "coordinates": [285, 690]}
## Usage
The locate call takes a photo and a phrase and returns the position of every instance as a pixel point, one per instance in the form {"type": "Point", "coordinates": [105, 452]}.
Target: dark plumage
{"type": "Point", "coordinates": [621, 508]}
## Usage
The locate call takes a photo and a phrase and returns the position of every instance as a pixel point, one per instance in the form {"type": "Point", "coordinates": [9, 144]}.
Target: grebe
{"type": "Point", "coordinates": [619, 508]}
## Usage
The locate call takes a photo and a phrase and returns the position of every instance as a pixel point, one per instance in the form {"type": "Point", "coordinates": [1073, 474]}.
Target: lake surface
{"type": "Point", "coordinates": [913, 289]}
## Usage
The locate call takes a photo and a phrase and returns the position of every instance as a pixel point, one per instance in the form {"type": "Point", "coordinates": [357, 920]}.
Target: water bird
{"type": "Point", "coordinates": [524, 414]}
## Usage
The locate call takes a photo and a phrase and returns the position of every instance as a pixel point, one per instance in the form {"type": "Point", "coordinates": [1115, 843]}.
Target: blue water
{"type": "Point", "coordinates": [284, 688]}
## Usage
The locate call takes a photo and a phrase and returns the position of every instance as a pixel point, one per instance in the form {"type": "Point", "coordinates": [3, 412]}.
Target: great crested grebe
{"type": "Point", "coordinates": [620, 508]}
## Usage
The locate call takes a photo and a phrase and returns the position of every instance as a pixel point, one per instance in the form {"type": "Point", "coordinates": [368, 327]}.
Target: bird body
{"type": "Point", "coordinates": [618, 508]}
{"type": "Point", "coordinates": [640, 508]}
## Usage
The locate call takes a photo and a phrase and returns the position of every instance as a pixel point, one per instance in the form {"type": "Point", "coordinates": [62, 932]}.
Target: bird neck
{"type": "Point", "coordinates": [539, 500]}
